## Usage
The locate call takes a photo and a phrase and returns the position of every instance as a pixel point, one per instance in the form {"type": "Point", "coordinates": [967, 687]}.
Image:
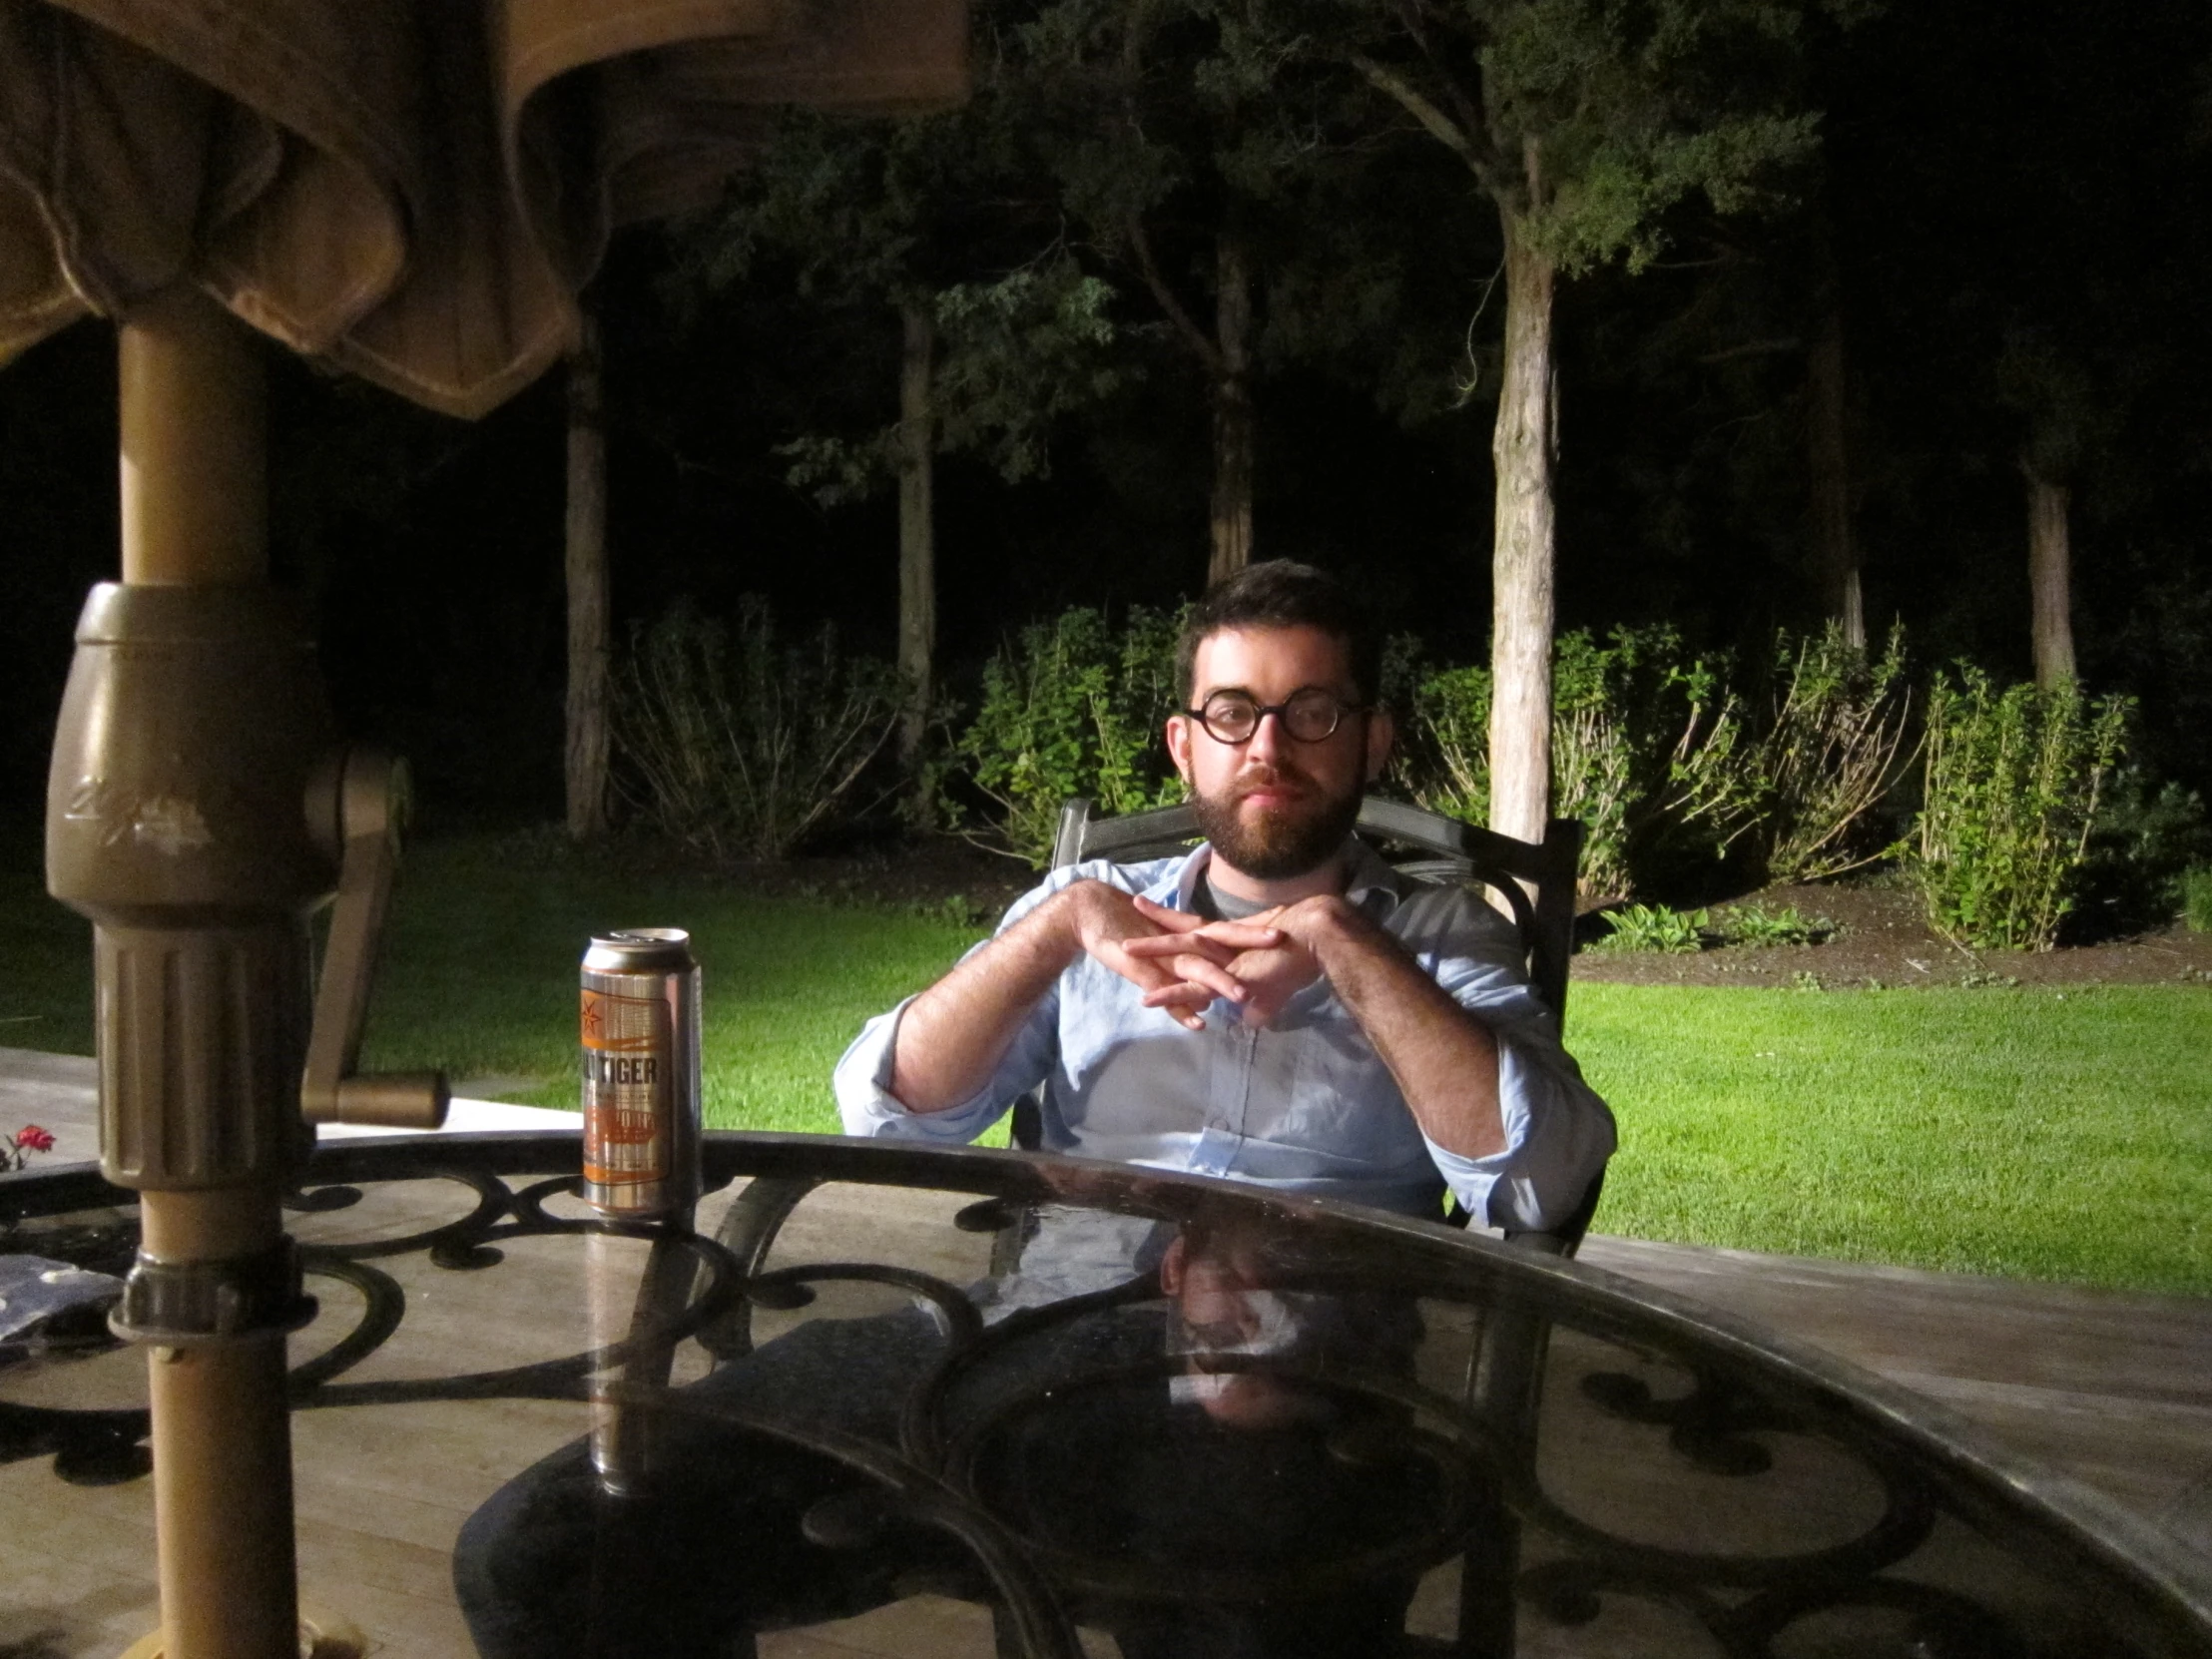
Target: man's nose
{"type": "Point", "coordinates": [1267, 739]}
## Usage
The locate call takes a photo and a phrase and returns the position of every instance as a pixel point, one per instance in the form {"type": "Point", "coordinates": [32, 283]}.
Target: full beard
{"type": "Point", "coordinates": [1276, 843]}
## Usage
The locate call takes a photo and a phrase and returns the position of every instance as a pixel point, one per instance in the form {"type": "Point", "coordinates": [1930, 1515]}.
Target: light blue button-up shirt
{"type": "Point", "coordinates": [1304, 1105]}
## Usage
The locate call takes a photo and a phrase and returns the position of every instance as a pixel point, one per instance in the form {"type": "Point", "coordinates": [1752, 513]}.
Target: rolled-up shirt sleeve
{"type": "Point", "coordinates": [1558, 1136]}
{"type": "Point", "coordinates": [1559, 1133]}
{"type": "Point", "coordinates": [862, 1079]}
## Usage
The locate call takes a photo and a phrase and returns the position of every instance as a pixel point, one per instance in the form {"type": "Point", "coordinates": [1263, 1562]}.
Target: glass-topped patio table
{"type": "Point", "coordinates": [1100, 1409]}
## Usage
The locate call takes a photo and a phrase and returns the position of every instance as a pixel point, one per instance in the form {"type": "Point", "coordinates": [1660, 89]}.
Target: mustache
{"type": "Point", "coordinates": [1266, 776]}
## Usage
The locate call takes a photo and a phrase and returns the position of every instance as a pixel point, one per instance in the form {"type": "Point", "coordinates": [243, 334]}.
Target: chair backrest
{"type": "Point", "coordinates": [1536, 878]}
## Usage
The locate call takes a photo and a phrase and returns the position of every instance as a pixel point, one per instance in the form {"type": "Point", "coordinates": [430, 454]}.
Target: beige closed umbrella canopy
{"type": "Point", "coordinates": [412, 190]}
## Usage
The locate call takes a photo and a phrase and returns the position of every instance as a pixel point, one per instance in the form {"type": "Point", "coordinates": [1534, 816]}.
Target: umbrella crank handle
{"type": "Point", "coordinates": [356, 808]}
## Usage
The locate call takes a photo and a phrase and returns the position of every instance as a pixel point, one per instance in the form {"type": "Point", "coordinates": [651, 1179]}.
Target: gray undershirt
{"type": "Point", "coordinates": [1215, 906]}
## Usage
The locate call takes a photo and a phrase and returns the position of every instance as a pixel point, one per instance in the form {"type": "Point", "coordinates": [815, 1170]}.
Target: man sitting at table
{"type": "Point", "coordinates": [1277, 1005]}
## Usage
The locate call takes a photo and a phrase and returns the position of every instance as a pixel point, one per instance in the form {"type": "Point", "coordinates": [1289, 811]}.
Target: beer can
{"type": "Point", "coordinates": [640, 1024]}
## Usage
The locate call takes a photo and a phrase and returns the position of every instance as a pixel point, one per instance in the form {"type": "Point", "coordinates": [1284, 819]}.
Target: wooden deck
{"type": "Point", "coordinates": [2114, 1389]}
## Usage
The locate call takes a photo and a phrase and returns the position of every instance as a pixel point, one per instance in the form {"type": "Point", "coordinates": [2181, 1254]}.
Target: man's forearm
{"type": "Point", "coordinates": [952, 1036]}
{"type": "Point", "coordinates": [1444, 1059]}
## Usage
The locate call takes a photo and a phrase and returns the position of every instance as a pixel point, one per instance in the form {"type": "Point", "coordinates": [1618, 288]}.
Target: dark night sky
{"type": "Point", "coordinates": [2027, 169]}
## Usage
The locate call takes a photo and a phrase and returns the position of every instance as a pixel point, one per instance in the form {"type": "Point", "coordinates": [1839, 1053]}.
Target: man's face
{"type": "Point", "coordinates": [1273, 806]}
{"type": "Point", "coordinates": [1225, 1303]}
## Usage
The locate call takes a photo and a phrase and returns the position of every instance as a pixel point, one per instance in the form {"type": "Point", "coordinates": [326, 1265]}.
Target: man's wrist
{"type": "Point", "coordinates": [1325, 923]}
{"type": "Point", "coordinates": [1064, 922]}
{"type": "Point", "coordinates": [1355, 953]}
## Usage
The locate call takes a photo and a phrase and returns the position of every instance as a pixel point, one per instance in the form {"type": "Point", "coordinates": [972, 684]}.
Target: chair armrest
{"type": "Point", "coordinates": [1027, 1128]}
{"type": "Point", "coordinates": [1566, 1237]}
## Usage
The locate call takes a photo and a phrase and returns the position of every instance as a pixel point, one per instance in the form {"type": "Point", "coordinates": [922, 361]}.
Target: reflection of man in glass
{"type": "Point", "coordinates": [1222, 1457]}
{"type": "Point", "coordinates": [1224, 1308]}
{"type": "Point", "coordinates": [1277, 1006]}
{"type": "Point", "coordinates": [1274, 1500]}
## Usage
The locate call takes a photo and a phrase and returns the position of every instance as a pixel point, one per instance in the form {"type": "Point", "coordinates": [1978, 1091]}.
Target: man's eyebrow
{"type": "Point", "coordinates": [1213, 691]}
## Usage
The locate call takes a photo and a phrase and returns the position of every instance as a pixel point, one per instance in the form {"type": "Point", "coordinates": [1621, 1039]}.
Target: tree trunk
{"type": "Point", "coordinates": [1236, 434]}
{"type": "Point", "coordinates": [1828, 460]}
{"type": "Point", "coordinates": [1521, 561]}
{"type": "Point", "coordinates": [588, 624]}
{"type": "Point", "coordinates": [918, 525]}
{"type": "Point", "coordinates": [2049, 578]}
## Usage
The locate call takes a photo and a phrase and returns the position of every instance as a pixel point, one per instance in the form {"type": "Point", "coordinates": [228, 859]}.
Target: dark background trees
{"type": "Point", "coordinates": [1987, 281]}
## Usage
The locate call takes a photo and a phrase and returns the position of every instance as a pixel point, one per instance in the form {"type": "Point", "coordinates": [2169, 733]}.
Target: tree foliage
{"type": "Point", "coordinates": [1588, 119]}
{"type": "Point", "coordinates": [868, 218]}
{"type": "Point", "coordinates": [1014, 357]}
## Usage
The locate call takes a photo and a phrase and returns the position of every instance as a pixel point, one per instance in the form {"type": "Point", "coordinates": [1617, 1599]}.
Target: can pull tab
{"type": "Point", "coordinates": [357, 806]}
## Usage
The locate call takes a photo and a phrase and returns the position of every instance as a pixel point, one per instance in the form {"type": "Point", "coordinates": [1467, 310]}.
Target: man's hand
{"type": "Point", "coordinates": [1265, 972]}
{"type": "Point", "coordinates": [1179, 962]}
{"type": "Point", "coordinates": [1443, 1058]}
{"type": "Point", "coordinates": [956, 1031]}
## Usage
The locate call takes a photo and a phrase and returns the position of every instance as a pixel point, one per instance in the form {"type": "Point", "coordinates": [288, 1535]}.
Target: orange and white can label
{"type": "Point", "coordinates": [629, 1062]}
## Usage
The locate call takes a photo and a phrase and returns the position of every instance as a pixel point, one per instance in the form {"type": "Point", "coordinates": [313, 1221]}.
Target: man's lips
{"type": "Point", "coordinates": [1277, 794]}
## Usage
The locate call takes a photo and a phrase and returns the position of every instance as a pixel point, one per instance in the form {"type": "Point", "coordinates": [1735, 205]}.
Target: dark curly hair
{"type": "Point", "coordinates": [1280, 593]}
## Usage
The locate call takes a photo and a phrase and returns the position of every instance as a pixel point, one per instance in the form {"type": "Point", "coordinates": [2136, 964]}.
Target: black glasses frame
{"type": "Point", "coordinates": [1282, 712]}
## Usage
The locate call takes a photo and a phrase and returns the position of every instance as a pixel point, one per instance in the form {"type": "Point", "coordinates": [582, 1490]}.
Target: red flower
{"type": "Point", "coordinates": [34, 1139]}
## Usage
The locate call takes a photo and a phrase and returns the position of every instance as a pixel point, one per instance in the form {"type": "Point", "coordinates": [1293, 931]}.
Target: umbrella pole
{"type": "Point", "coordinates": [193, 486]}
{"type": "Point", "coordinates": [222, 1512]}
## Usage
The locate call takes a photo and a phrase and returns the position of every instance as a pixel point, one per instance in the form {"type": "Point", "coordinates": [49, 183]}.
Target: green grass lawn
{"type": "Point", "coordinates": [45, 958]}
{"type": "Point", "coordinates": [2037, 1133]}
{"type": "Point", "coordinates": [2030, 1132]}
{"type": "Point", "coordinates": [481, 977]}
{"type": "Point", "coordinates": [479, 973]}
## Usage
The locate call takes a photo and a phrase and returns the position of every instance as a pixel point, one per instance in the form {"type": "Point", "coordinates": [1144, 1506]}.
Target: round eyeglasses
{"type": "Point", "coordinates": [1309, 716]}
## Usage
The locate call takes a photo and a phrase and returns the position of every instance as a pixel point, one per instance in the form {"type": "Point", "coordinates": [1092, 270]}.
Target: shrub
{"type": "Point", "coordinates": [1608, 754]}
{"type": "Point", "coordinates": [2011, 783]}
{"type": "Point", "coordinates": [1446, 764]}
{"type": "Point", "coordinates": [2145, 839]}
{"type": "Point", "coordinates": [1071, 707]}
{"type": "Point", "coordinates": [1755, 925]}
{"type": "Point", "coordinates": [1622, 713]}
{"type": "Point", "coordinates": [737, 744]}
{"type": "Point", "coordinates": [2196, 899]}
{"type": "Point", "coordinates": [1793, 774]}
{"type": "Point", "coordinates": [1654, 928]}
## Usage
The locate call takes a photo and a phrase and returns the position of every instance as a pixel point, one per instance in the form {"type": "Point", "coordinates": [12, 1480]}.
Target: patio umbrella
{"type": "Point", "coordinates": [412, 191]}
{"type": "Point", "coordinates": [409, 189]}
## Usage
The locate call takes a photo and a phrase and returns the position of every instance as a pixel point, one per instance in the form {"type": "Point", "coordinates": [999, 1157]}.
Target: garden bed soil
{"type": "Point", "coordinates": [1880, 937]}
{"type": "Point", "coordinates": [1881, 940]}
